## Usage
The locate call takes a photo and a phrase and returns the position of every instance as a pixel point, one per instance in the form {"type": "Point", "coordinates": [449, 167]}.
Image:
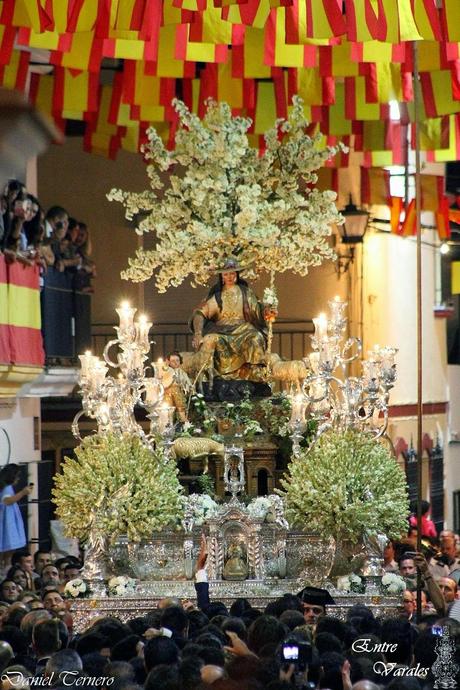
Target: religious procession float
{"type": "Point", "coordinates": [295, 482]}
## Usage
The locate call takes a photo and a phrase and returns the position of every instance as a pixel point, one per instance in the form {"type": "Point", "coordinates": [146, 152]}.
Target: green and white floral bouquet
{"type": "Point", "coordinates": [199, 507]}
{"type": "Point", "coordinates": [392, 583]}
{"type": "Point", "coordinates": [260, 507]}
{"type": "Point", "coordinates": [76, 589]}
{"type": "Point", "coordinates": [351, 583]}
{"type": "Point", "coordinates": [221, 198]}
{"type": "Point", "coordinates": [346, 485]}
{"type": "Point", "coordinates": [121, 586]}
{"type": "Point", "coordinates": [139, 488]}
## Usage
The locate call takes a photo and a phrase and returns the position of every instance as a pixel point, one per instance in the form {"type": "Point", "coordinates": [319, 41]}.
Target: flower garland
{"type": "Point", "coordinates": [227, 200]}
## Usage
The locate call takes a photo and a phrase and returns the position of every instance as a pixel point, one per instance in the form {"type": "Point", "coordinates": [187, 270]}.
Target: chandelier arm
{"type": "Point", "coordinates": [384, 427]}
{"type": "Point", "coordinates": [326, 380]}
{"type": "Point", "coordinates": [348, 345]}
{"type": "Point", "coordinates": [105, 354]}
{"type": "Point", "coordinates": [75, 426]}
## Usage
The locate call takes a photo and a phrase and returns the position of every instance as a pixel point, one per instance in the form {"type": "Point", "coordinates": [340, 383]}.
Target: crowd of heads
{"type": "Point", "coordinates": [441, 553]}
{"type": "Point", "coordinates": [50, 238]}
{"type": "Point", "coordinates": [292, 641]}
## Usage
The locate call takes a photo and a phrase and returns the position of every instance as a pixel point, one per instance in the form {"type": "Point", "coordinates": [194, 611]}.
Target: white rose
{"type": "Point", "coordinates": [343, 583]}
{"type": "Point", "coordinates": [394, 589]}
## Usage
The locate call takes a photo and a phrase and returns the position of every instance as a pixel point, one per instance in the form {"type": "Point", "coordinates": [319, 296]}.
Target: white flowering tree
{"type": "Point", "coordinates": [221, 198]}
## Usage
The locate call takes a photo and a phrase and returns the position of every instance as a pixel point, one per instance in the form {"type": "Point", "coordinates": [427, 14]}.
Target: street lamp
{"type": "Point", "coordinates": [351, 232]}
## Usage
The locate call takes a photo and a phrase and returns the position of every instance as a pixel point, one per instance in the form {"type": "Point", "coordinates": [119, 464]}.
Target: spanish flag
{"type": "Point", "coordinates": [20, 320]}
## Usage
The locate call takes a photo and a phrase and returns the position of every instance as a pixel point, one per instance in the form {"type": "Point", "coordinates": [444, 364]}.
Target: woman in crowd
{"type": "Point", "coordinates": [12, 533]}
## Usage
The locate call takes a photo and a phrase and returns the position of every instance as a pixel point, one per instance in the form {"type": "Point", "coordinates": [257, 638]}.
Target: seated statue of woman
{"type": "Point", "coordinates": [231, 325]}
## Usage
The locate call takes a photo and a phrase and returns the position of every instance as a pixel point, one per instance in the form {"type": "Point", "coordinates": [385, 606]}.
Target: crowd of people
{"type": "Point", "coordinates": [51, 238]}
{"type": "Point", "coordinates": [183, 645]}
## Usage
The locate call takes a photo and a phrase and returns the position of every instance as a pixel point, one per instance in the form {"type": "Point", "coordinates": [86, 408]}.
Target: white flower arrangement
{"type": "Point", "coordinates": [350, 583]}
{"type": "Point", "coordinates": [199, 507]}
{"type": "Point", "coordinates": [252, 427]}
{"type": "Point", "coordinates": [121, 586]}
{"type": "Point", "coordinates": [229, 200]}
{"type": "Point", "coordinates": [76, 588]}
{"type": "Point", "coordinates": [392, 583]}
{"type": "Point", "coordinates": [259, 507]}
{"type": "Point", "coordinates": [346, 485]}
{"type": "Point", "coordinates": [270, 298]}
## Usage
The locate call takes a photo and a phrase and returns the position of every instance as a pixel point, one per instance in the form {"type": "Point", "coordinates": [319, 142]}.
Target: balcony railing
{"type": "Point", "coordinates": [291, 338]}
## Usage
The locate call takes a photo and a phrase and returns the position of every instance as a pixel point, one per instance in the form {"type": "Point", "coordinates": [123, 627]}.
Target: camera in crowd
{"type": "Point", "coordinates": [297, 652]}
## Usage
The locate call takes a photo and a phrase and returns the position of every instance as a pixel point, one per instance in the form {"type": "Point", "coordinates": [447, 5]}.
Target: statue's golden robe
{"type": "Point", "coordinates": [235, 333]}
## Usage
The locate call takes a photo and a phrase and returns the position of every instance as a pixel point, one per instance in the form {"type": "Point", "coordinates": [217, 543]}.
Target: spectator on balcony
{"type": "Point", "coordinates": [15, 241]}
{"type": "Point", "coordinates": [32, 227]}
{"type": "Point", "coordinates": [65, 257]}
{"type": "Point", "coordinates": [55, 215]}
{"type": "Point", "coordinates": [13, 189]}
{"type": "Point", "coordinates": [82, 245]}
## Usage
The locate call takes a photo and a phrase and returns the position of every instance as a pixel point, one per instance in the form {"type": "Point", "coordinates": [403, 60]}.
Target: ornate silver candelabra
{"type": "Point", "coordinates": [341, 402]}
{"type": "Point", "coordinates": [111, 400]}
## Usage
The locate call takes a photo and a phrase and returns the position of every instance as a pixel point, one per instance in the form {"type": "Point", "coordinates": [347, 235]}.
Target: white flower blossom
{"type": "Point", "coordinates": [75, 588]}
{"type": "Point", "coordinates": [121, 585]}
{"type": "Point", "coordinates": [230, 200]}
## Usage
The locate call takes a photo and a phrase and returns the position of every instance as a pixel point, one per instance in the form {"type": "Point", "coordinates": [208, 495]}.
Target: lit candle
{"type": "Point", "coordinates": [98, 373]}
{"type": "Point", "coordinates": [86, 362]}
{"type": "Point", "coordinates": [337, 310]}
{"type": "Point", "coordinates": [298, 408]}
{"type": "Point", "coordinates": [134, 359]}
{"type": "Point", "coordinates": [370, 369]}
{"type": "Point", "coordinates": [152, 391]}
{"type": "Point", "coordinates": [165, 417]}
{"type": "Point", "coordinates": [126, 315]}
{"type": "Point", "coordinates": [314, 362]}
{"type": "Point", "coordinates": [142, 332]}
{"type": "Point", "coordinates": [387, 355]}
{"type": "Point", "coordinates": [320, 326]}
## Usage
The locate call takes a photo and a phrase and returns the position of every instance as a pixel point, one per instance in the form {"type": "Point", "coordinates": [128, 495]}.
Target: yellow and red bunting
{"type": "Point", "coordinates": [441, 92]}
{"type": "Point", "coordinates": [450, 17]}
{"type": "Point", "coordinates": [328, 178]}
{"type": "Point", "coordinates": [75, 93]}
{"type": "Point", "coordinates": [396, 205]}
{"type": "Point", "coordinates": [313, 19]}
{"type": "Point", "coordinates": [427, 19]}
{"type": "Point", "coordinates": [375, 186]}
{"type": "Point", "coordinates": [14, 74]}
{"type": "Point", "coordinates": [432, 191]}
{"type": "Point", "coordinates": [5, 357]}
{"type": "Point", "coordinates": [442, 219]}
{"type": "Point", "coordinates": [409, 225]}
{"type": "Point", "coordinates": [20, 320]}
{"type": "Point", "coordinates": [7, 36]}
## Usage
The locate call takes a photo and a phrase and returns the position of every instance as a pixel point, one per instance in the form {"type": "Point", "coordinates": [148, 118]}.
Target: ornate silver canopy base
{"type": "Point", "coordinates": [148, 594]}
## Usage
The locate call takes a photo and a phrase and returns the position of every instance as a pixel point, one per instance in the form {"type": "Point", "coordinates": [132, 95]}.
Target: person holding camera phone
{"type": "Point", "coordinates": [12, 533]}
